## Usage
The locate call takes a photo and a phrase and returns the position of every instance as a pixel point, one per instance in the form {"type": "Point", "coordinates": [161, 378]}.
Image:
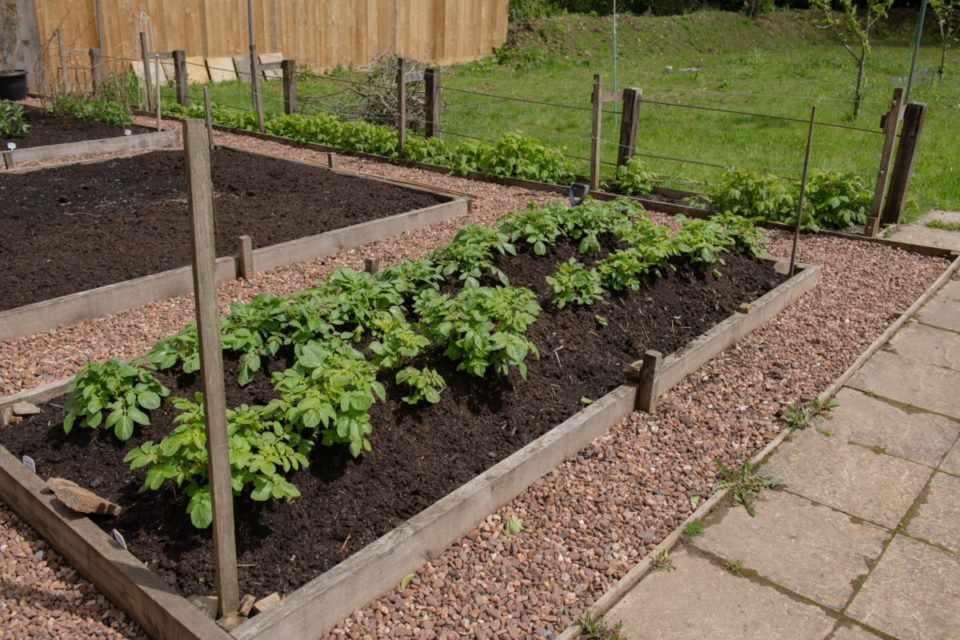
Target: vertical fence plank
{"type": "Point", "coordinates": [890, 122]}
{"type": "Point", "coordinates": [628, 126]}
{"type": "Point", "coordinates": [200, 194]}
{"type": "Point", "coordinates": [289, 68]}
{"type": "Point", "coordinates": [431, 78]}
{"type": "Point", "coordinates": [147, 80]}
{"type": "Point", "coordinates": [180, 77]}
{"type": "Point", "coordinates": [401, 108]}
{"type": "Point", "coordinates": [597, 104]}
{"type": "Point", "coordinates": [913, 118]}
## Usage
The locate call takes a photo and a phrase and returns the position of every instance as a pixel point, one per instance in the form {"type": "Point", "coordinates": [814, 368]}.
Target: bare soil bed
{"type": "Point", "coordinates": [50, 128]}
{"type": "Point", "coordinates": [74, 228]}
{"type": "Point", "coordinates": [419, 453]}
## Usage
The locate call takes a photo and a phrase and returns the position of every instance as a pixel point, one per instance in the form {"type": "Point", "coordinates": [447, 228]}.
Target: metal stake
{"type": "Point", "coordinates": [803, 188]}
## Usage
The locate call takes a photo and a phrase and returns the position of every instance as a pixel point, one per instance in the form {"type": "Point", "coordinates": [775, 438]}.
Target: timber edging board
{"type": "Point", "coordinates": [120, 296]}
{"type": "Point", "coordinates": [380, 566]}
{"type": "Point", "coordinates": [138, 142]}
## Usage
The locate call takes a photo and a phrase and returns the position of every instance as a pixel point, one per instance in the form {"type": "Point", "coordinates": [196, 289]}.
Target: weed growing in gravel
{"type": "Point", "coordinates": [693, 528]}
{"type": "Point", "coordinates": [591, 629]}
{"type": "Point", "coordinates": [743, 484]}
{"type": "Point", "coordinates": [662, 561]}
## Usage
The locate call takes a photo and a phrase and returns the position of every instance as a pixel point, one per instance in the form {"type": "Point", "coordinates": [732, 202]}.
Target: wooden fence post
{"type": "Point", "coordinates": [889, 124]}
{"type": "Point", "coordinates": [255, 85]}
{"type": "Point", "coordinates": [649, 372]}
{"type": "Point", "coordinates": [597, 103]}
{"type": "Point", "coordinates": [401, 108]}
{"type": "Point", "coordinates": [145, 54]}
{"type": "Point", "coordinates": [180, 77]}
{"type": "Point", "coordinates": [628, 126]}
{"type": "Point", "coordinates": [289, 68]}
{"type": "Point", "coordinates": [96, 69]}
{"type": "Point", "coordinates": [200, 194]}
{"type": "Point", "coordinates": [913, 118]}
{"type": "Point", "coordinates": [245, 253]}
{"type": "Point", "coordinates": [64, 76]}
{"type": "Point", "coordinates": [431, 78]}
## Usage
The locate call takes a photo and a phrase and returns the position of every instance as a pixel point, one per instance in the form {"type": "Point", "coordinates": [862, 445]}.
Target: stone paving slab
{"type": "Point", "coordinates": [913, 593]}
{"type": "Point", "coordinates": [853, 632]}
{"type": "Point", "coordinates": [908, 433]}
{"type": "Point", "coordinates": [854, 479]}
{"type": "Point", "coordinates": [918, 384]}
{"type": "Point", "coordinates": [950, 290]}
{"type": "Point", "coordinates": [697, 599]}
{"type": "Point", "coordinates": [938, 518]}
{"type": "Point", "coordinates": [942, 312]}
{"type": "Point", "coordinates": [952, 462]}
{"type": "Point", "coordinates": [929, 236]}
{"type": "Point", "coordinates": [809, 549]}
{"type": "Point", "coordinates": [923, 343]}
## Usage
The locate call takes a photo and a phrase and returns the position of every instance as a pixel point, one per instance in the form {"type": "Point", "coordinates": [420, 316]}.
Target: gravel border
{"type": "Point", "coordinates": [587, 522]}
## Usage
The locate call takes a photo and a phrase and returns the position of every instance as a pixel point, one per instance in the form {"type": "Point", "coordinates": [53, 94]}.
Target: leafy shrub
{"type": "Point", "coordinates": [702, 241]}
{"type": "Point", "coordinates": [571, 282]}
{"type": "Point", "coordinates": [633, 177]}
{"type": "Point", "coordinates": [471, 253]}
{"type": "Point", "coordinates": [518, 156]}
{"type": "Point", "coordinates": [84, 107]}
{"type": "Point", "coordinates": [124, 391]}
{"type": "Point", "coordinates": [836, 200]}
{"type": "Point", "coordinates": [534, 225]}
{"type": "Point", "coordinates": [12, 122]}
{"type": "Point", "coordinates": [590, 219]}
{"type": "Point", "coordinates": [432, 150]}
{"type": "Point", "coordinates": [481, 327]}
{"type": "Point", "coordinates": [753, 194]}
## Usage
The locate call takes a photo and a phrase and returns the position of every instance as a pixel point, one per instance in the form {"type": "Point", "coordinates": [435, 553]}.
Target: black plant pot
{"type": "Point", "coordinates": [13, 84]}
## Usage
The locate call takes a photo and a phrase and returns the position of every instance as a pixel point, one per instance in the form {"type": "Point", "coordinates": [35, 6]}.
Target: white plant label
{"type": "Point", "coordinates": [127, 132]}
{"type": "Point", "coordinates": [29, 463]}
{"type": "Point", "coordinates": [11, 145]}
{"type": "Point", "coordinates": [119, 539]}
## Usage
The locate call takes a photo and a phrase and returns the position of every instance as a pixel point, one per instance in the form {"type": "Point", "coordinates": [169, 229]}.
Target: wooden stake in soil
{"type": "Point", "coordinates": [157, 98]}
{"type": "Point", "coordinates": [401, 108]}
{"type": "Point", "coordinates": [97, 70]}
{"type": "Point", "coordinates": [255, 85]}
{"type": "Point", "coordinates": [431, 78]}
{"type": "Point", "coordinates": [206, 112]}
{"type": "Point", "coordinates": [803, 188]}
{"type": "Point", "coordinates": [180, 77]}
{"type": "Point", "coordinates": [649, 372]}
{"type": "Point", "coordinates": [289, 68]}
{"type": "Point", "coordinates": [913, 118]}
{"type": "Point", "coordinates": [200, 190]}
{"type": "Point", "coordinates": [245, 252]}
{"type": "Point", "coordinates": [64, 76]}
{"type": "Point", "coordinates": [597, 102]}
{"type": "Point", "coordinates": [628, 127]}
{"type": "Point", "coordinates": [147, 81]}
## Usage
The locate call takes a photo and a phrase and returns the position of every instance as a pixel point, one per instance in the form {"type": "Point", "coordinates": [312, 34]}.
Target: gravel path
{"type": "Point", "coordinates": [587, 522]}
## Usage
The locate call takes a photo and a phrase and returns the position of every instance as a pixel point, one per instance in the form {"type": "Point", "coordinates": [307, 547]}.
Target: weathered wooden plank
{"type": "Point", "coordinates": [913, 118]}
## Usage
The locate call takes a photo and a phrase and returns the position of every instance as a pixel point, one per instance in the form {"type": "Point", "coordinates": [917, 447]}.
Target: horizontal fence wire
{"type": "Point", "coordinates": [526, 100]}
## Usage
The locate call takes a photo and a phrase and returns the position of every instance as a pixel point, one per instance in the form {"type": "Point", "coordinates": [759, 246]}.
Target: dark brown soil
{"type": "Point", "coordinates": [48, 128]}
{"type": "Point", "coordinates": [419, 454]}
{"type": "Point", "coordinates": [70, 229]}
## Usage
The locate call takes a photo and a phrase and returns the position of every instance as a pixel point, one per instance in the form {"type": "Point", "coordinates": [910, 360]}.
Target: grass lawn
{"type": "Point", "coordinates": [781, 64]}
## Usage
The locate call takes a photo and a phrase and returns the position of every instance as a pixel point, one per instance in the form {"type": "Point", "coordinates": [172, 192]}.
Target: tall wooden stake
{"type": "Point", "coordinates": [200, 193]}
{"type": "Point", "coordinates": [156, 102]}
{"type": "Point", "coordinates": [64, 76]}
{"type": "Point", "coordinates": [597, 103]}
{"type": "Point", "coordinates": [803, 188]}
{"type": "Point", "coordinates": [289, 68]}
{"type": "Point", "coordinates": [147, 82]}
{"type": "Point", "coordinates": [180, 77]}
{"type": "Point", "coordinates": [913, 117]}
{"type": "Point", "coordinates": [431, 79]}
{"type": "Point", "coordinates": [890, 121]}
{"type": "Point", "coordinates": [255, 85]}
{"type": "Point", "coordinates": [207, 117]}
{"type": "Point", "coordinates": [401, 107]}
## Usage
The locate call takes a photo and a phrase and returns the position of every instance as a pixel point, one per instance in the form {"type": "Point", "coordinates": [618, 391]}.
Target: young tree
{"type": "Point", "coordinates": [853, 31]}
{"type": "Point", "coordinates": [947, 13]}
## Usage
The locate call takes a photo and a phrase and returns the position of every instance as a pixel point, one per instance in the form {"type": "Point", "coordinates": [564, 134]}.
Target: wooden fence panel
{"type": "Point", "coordinates": [321, 33]}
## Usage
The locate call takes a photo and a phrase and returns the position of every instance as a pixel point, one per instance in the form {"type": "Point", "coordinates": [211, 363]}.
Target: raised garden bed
{"type": "Point", "coordinates": [76, 231]}
{"type": "Point", "coordinates": [581, 357]}
{"type": "Point", "coordinates": [52, 136]}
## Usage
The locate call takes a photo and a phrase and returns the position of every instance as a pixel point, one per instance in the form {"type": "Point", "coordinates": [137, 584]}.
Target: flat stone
{"type": "Point", "coordinates": [919, 436]}
{"type": "Point", "coordinates": [952, 462]}
{"type": "Point", "coordinates": [263, 604]}
{"type": "Point", "coordinates": [950, 290]}
{"type": "Point", "coordinates": [937, 519]}
{"type": "Point", "coordinates": [207, 604]}
{"type": "Point", "coordinates": [222, 69]}
{"type": "Point", "coordinates": [809, 549]}
{"type": "Point", "coordinates": [941, 311]}
{"type": "Point", "coordinates": [918, 234]}
{"type": "Point", "coordinates": [697, 599]}
{"type": "Point", "coordinates": [913, 593]}
{"type": "Point", "coordinates": [923, 343]}
{"type": "Point", "coordinates": [79, 499]}
{"type": "Point", "coordinates": [914, 383]}
{"type": "Point", "coordinates": [197, 70]}
{"type": "Point", "coordinates": [851, 631]}
{"type": "Point", "coordinates": [271, 57]}
{"type": "Point", "coordinates": [242, 66]}
{"type": "Point", "coordinates": [868, 485]}
{"type": "Point", "coordinates": [25, 409]}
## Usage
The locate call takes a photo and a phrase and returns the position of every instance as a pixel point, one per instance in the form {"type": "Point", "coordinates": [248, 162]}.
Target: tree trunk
{"type": "Point", "coordinates": [943, 55]}
{"type": "Point", "coordinates": [858, 95]}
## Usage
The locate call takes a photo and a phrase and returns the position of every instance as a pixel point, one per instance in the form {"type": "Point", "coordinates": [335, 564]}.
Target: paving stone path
{"type": "Point", "coordinates": [863, 541]}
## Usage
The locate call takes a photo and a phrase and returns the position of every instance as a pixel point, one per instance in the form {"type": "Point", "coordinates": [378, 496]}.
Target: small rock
{"type": "Point", "coordinates": [207, 604]}
{"type": "Point", "coordinates": [232, 621]}
{"type": "Point", "coordinates": [263, 604]}
{"type": "Point", "coordinates": [79, 499]}
{"type": "Point", "coordinates": [25, 409]}
{"type": "Point", "coordinates": [6, 415]}
{"type": "Point", "coordinates": [246, 604]}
